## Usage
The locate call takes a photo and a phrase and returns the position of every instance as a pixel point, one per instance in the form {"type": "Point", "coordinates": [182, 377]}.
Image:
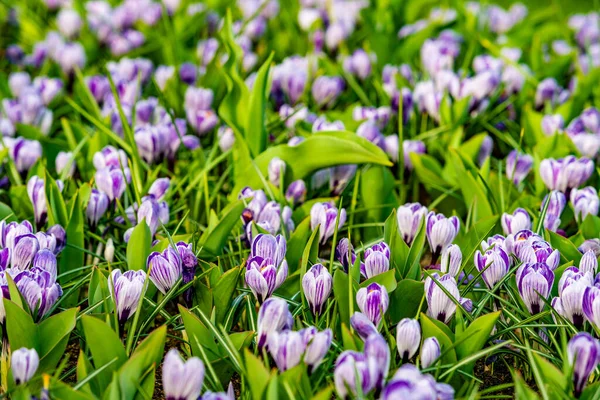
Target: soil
{"type": "Point", "coordinates": [495, 374]}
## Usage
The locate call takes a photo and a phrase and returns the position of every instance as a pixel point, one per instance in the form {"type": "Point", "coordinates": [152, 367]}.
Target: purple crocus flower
{"type": "Point", "coordinates": [60, 235]}
{"type": "Point", "coordinates": [113, 181]}
{"type": "Point", "coordinates": [24, 364]}
{"type": "Point", "coordinates": [494, 264]}
{"type": "Point", "coordinates": [351, 369]}
{"type": "Point", "coordinates": [39, 288]}
{"type": "Point", "coordinates": [71, 56]}
{"type": "Point", "coordinates": [317, 345]}
{"type": "Point", "coordinates": [286, 348]}
{"type": "Point", "coordinates": [377, 260]}
{"type": "Point", "coordinates": [408, 383]}
{"type": "Point", "coordinates": [584, 355]}
{"type": "Point", "coordinates": [165, 269]}
{"type": "Point", "coordinates": [296, 192]}
{"type": "Point", "coordinates": [344, 253]}
{"type": "Point", "coordinates": [412, 147]}
{"type": "Point", "coordinates": [316, 285]}
{"type": "Point", "coordinates": [69, 22]}
{"type": "Point", "coordinates": [358, 64]}
{"type": "Point", "coordinates": [276, 170]}
{"type": "Point", "coordinates": [441, 231]}
{"type": "Point", "coordinates": [198, 110]}
{"type": "Point", "coordinates": [182, 379]}
{"type": "Point", "coordinates": [24, 153]}
{"type": "Point", "coordinates": [571, 288]}
{"type": "Point", "coordinates": [273, 316]}
{"type": "Point", "coordinates": [440, 305]}
{"type": "Point", "coordinates": [97, 206]}
{"type": "Point", "coordinates": [339, 177]}
{"type": "Point", "coordinates": [539, 251]}
{"type": "Point", "coordinates": [430, 352]}
{"type": "Point", "coordinates": [324, 215]}
{"type": "Point", "coordinates": [518, 166]}
{"type": "Point", "coordinates": [188, 73]}
{"type": "Point", "coordinates": [566, 173]}
{"type": "Point", "coordinates": [534, 280]}
{"type": "Point", "coordinates": [362, 325]}
{"type": "Point", "coordinates": [557, 203]}
{"type": "Point", "coordinates": [585, 202]}
{"type": "Point", "coordinates": [378, 352]}
{"type": "Point", "coordinates": [408, 338]}
{"type": "Point", "coordinates": [591, 305]}
{"type": "Point", "coordinates": [549, 91]}
{"type": "Point", "coordinates": [370, 131]}
{"type": "Point", "coordinates": [37, 195]}
{"type": "Point", "coordinates": [24, 250]}
{"type": "Point", "coordinates": [552, 124]}
{"type": "Point", "coordinates": [373, 301]}
{"type": "Point", "coordinates": [451, 260]}
{"type": "Point", "coordinates": [515, 222]}
{"type": "Point", "coordinates": [110, 157]}
{"type": "Point", "coordinates": [410, 217]}
{"type": "Point", "coordinates": [589, 263]}
{"type": "Point", "coordinates": [126, 289]}
{"type": "Point", "coordinates": [263, 276]}
{"type": "Point", "coordinates": [326, 90]}
{"type": "Point", "coordinates": [590, 245]}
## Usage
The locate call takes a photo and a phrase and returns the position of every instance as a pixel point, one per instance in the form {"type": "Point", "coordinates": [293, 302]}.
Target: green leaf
{"type": "Point", "coordinates": [341, 295]}
{"type": "Point", "coordinates": [255, 128]}
{"type": "Point", "coordinates": [105, 345]}
{"type": "Point", "coordinates": [73, 254]}
{"type": "Point", "coordinates": [387, 279]}
{"type": "Point", "coordinates": [223, 291]}
{"type": "Point", "coordinates": [405, 301]}
{"type": "Point", "coordinates": [297, 243]}
{"type": "Point", "coordinates": [568, 251]}
{"type": "Point", "coordinates": [318, 151]}
{"type": "Point", "coordinates": [198, 333]}
{"type": "Point", "coordinates": [412, 268]}
{"type": "Point", "coordinates": [259, 375]}
{"type": "Point", "coordinates": [551, 374]}
{"type": "Point", "coordinates": [213, 240]}
{"type": "Point", "coordinates": [590, 226]}
{"type": "Point", "coordinates": [475, 336]}
{"type": "Point", "coordinates": [57, 210]}
{"type": "Point", "coordinates": [21, 330]}
{"type": "Point", "coordinates": [377, 193]}
{"type": "Point", "coordinates": [53, 335]}
{"type": "Point", "coordinates": [398, 248]}
{"type": "Point", "coordinates": [431, 328]}
{"type": "Point", "coordinates": [139, 247]}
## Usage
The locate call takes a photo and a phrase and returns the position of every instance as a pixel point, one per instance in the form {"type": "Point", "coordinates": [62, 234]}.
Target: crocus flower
{"type": "Point", "coordinates": [344, 253]}
{"type": "Point", "coordinates": [316, 285]}
{"type": "Point", "coordinates": [373, 301]}
{"type": "Point", "coordinates": [408, 383]}
{"type": "Point", "coordinates": [566, 173]}
{"type": "Point", "coordinates": [362, 325]}
{"type": "Point", "coordinates": [439, 305]}
{"type": "Point", "coordinates": [494, 264]}
{"type": "Point", "coordinates": [351, 369]}
{"type": "Point", "coordinates": [317, 345]}
{"type": "Point", "coordinates": [378, 353]}
{"type": "Point", "coordinates": [269, 246]}
{"type": "Point", "coordinates": [24, 250]}
{"type": "Point", "coordinates": [451, 260]}
{"type": "Point", "coordinates": [326, 89]}
{"type": "Point", "coordinates": [296, 192]}
{"type": "Point", "coordinates": [324, 215]}
{"type": "Point", "coordinates": [410, 216]}
{"type": "Point", "coordinates": [430, 351]}
{"type": "Point", "coordinates": [60, 235]}
{"type": "Point", "coordinates": [113, 181]}
{"type": "Point", "coordinates": [69, 22]}
{"type": "Point", "coordinates": [571, 288]}
{"type": "Point", "coordinates": [585, 202]}
{"type": "Point", "coordinates": [552, 124]}
{"type": "Point", "coordinates": [286, 348]}
{"type": "Point", "coordinates": [71, 56]}
{"type": "Point", "coordinates": [276, 170]}
{"type": "Point", "coordinates": [110, 157]}
{"type": "Point", "coordinates": [534, 280]}
{"type": "Point", "coordinates": [65, 164]}
{"type": "Point", "coordinates": [441, 231]}
{"type": "Point", "coordinates": [518, 166]}
{"type": "Point", "coordinates": [126, 289]}
{"type": "Point", "coordinates": [273, 316]}
{"type": "Point", "coordinates": [408, 338]}
{"type": "Point", "coordinates": [584, 355]}
{"type": "Point", "coordinates": [539, 251]}
{"type": "Point", "coordinates": [591, 305]}
{"type": "Point", "coordinates": [370, 131]}
{"type": "Point", "coordinates": [358, 64]}
{"type": "Point", "coordinates": [412, 147]}
{"type": "Point", "coordinates": [589, 263]}
{"type": "Point", "coordinates": [24, 153]}
{"type": "Point", "coordinates": [556, 205]}
{"type": "Point", "coordinates": [339, 177]}
{"type": "Point", "coordinates": [188, 73]}
{"type": "Point", "coordinates": [515, 222]}
{"type": "Point", "coordinates": [97, 206]}
{"type": "Point", "coordinates": [37, 195]}
{"type": "Point", "coordinates": [590, 245]}
{"type": "Point", "coordinates": [165, 269]}
{"type": "Point", "coordinates": [182, 380]}
{"type": "Point", "coordinates": [263, 276]}
{"type": "Point", "coordinates": [24, 363]}
{"type": "Point", "coordinates": [377, 260]}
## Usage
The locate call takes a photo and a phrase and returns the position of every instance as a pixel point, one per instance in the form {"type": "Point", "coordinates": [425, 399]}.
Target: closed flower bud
{"type": "Point", "coordinates": [182, 379]}
{"type": "Point", "coordinates": [584, 355]}
{"type": "Point", "coordinates": [316, 285]}
{"type": "Point", "coordinates": [552, 124]}
{"type": "Point", "coordinates": [378, 354]}
{"type": "Point", "coordinates": [518, 166]}
{"type": "Point", "coordinates": [326, 90]}
{"type": "Point", "coordinates": [24, 250]}
{"type": "Point", "coordinates": [159, 188]}
{"type": "Point", "coordinates": [126, 289]}
{"type": "Point", "coordinates": [339, 177]}
{"type": "Point", "coordinates": [534, 280]}
{"type": "Point", "coordinates": [373, 301]}
{"type": "Point", "coordinates": [286, 348]}
{"type": "Point", "coordinates": [317, 345]}
{"type": "Point", "coordinates": [65, 164]}
{"type": "Point", "coordinates": [188, 73]}
{"type": "Point", "coordinates": [69, 22]}
{"type": "Point", "coordinates": [46, 260]}
{"type": "Point", "coordinates": [351, 369]}
{"type": "Point", "coordinates": [37, 195]}
{"type": "Point", "coordinates": [110, 157]}
{"type": "Point", "coordinates": [565, 173]}
{"type": "Point", "coordinates": [97, 206]}
{"type": "Point", "coordinates": [515, 222]}
{"type": "Point", "coordinates": [439, 305]}
{"type": "Point", "coordinates": [40, 290]}
{"type": "Point", "coordinates": [149, 212]}
{"type": "Point", "coordinates": [344, 253]}
{"type": "Point", "coordinates": [408, 338]}
{"type": "Point", "coordinates": [165, 269]}
{"type": "Point", "coordinates": [494, 264]}
{"type": "Point", "coordinates": [377, 260]}
{"type": "Point", "coordinates": [163, 74]}
{"type": "Point", "coordinates": [358, 64]}
{"type": "Point", "coordinates": [441, 231]}
{"type": "Point", "coordinates": [362, 325]}
{"type": "Point", "coordinates": [226, 138]}
{"type": "Point", "coordinates": [276, 170]}
{"type": "Point", "coordinates": [571, 288]}
{"type": "Point", "coordinates": [113, 181]}
{"type": "Point", "coordinates": [590, 245]}
{"type": "Point", "coordinates": [273, 316]}
{"type": "Point", "coordinates": [585, 202]}
{"type": "Point", "coordinates": [24, 363]}
{"type": "Point", "coordinates": [451, 260]}
{"type": "Point", "coordinates": [430, 352]}
{"type": "Point", "coordinates": [410, 217]}
{"type": "Point", "coordinates": [324, 215]}
{"type": "Point", "coordinates": [296, 192]}
{"type": "Point", "coordinates": [60, 236]}
{"type": "Point", "coordinates": [109, 251]}
{"type": "Point", "coordinates": [589, 263]}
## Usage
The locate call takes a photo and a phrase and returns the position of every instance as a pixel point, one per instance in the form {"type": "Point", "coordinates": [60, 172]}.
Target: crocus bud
{"type": "Point", "coordinates": [515, 222]}
{"type": "Point", "coordinates": [590, 245]}
{"type": "Point", "coordinates": [408, 382]}
{"type": "Point", "coordinates": [410, 216]}
{"type": "Point", "coordinates": [518, 166]}
{"type": "Point", "coordinates": [273, 316]}
{"type": "Point", "coordinates": [24, 363]}
{"type": "Point", "coordinates": [408, 338]}
{"type": "Point", "coordinates": [65, 164]}
{"type": "Point", "coordinates": [109, 251]}
{"type": "Point", "coordinates": [552, 124]}
{"type": "Point", "coordinates": [373, 301]}
{"type": "Point", "coordinates": [286, 348]}
{"type": "Point", "coordinates": [571, 288]}
{"type": "Point", "coordinates": [24, 153]}
{"type": "Point", "coordinates": [316, 285]}
{"type": "Point", "coordinates": [71, 56]}
{"type": "Point", "coordinates": [344, 253]}
{"type": "Point", "coordinates": [412, 147]}
{"type": "Point", "coordinates": [451, 260]}
{"type": "Point", "coordinates": [68, 22]}
{"type": "Point", "coordinates": [263, 276]}
{"type": "Point", "coordinates": [362, 325]}
{"type": "Point", "coordinates": [25, 248]}
{"type": "Point", "coordinates": [276, 170]}
{"type": "Point", "coordinates": [45, 260]}
{"type": "Point", "coordinates": [18, 82]}
{"type": "Point", "coordinates": [485, 151]}
{"type": "Point", "coordinates": [539, 251]}
{"type": "Point", "coordinates": [113, 181]}
{"type": "Point", "coordinates": [159, 188]}
{"type": "Point", "coordinates": [296, 192]}
{"type": "Point", "coordinates": [60, 235]}
{"type": "Point", "coordinates": [430, 352]}
{"type": "Point", "coordinates": [326, 90]}
{"type": "Point", "coordinates": [591, 305]}
{"type": "Point", "coordinates": [377, 260]}
{"type": "Point", "coordinates": [557, 202]}
{"type": "Point", "coordinates": [351, 369]}
{"type": "Point", "coordinates": [110, 157]}
{"type": "Point", "coordinates": [46, 241]}
{"type": "Point", "coordinates": [339, 177]}
{"type": "Point", "coordinates": [358, 64]}
{"type": "Point", "coordinates": [584, 355]}
{"type": "Point", "coordinates": [324, 215]}
{"type": "Point", "coordinates": [165, 269]}
{"type": "Point", "coordinates": [182, 379]}
{"type": "Point", "coordinates": [37, 195]}
{"type": "Point", "coordinates": [494, 264]}
{"type": "Point", "coordinates": [439, 305]}
{"type": "Point", "coordinates": [226, 138]}
{"type": "Point", "coordinates": [188, 73]}
{"type": "Point", "coordinates": [378, 354]}
{"type": "Point", "coordinates": [126, 289]}
{"type": "Point", "coordinates": [441, 231]}
{"type": "Point", "coordinates": [589, 263]}
{"type": "Point", "coordinates": [149, 212]}
{"type": "Point", "coordinates": [97, 206]}
{"type": "Point", "coordinates": [565, 173]}
{"type": "Point", "coordinates": [317, 345]}
{"type": "Point", "coordinates": [370, 131]}
{"type": "Point", "coordinates": [534, 280]}
{"type": "Point", "coordinates": [585, 202]}
{"type": "Point", "coordinates": [163, 74]}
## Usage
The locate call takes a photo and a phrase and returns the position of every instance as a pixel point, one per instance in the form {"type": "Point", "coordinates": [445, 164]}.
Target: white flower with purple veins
{"type": "Point", "coordinates": [589, 263]}
{"type": "Point", "coordinates": [441, 231]}
{"type": "Point", "coordinates": [24, 363]}
{"type": "Point", "coordinates": [316, 285]}
{"type": "Point", "coordinates": [583, 353]}
{"type": "Point", "coordinates": [378, 353]}
{"type": "Point", "coordinates": [39, 288]}
{"type": "Point", "coordinates": [276, 170]}
{"type": "Point", "coordinates": [412, 147]}
{"type": "Point", "coordinates": [126, 289]}
{"type": "Point", "coordinates": [451, 260]}
{"type": "Point", "coordinates": [439, 305]}
{"type": "Point", "coordinates": [317, 345]}
{"type": "Point", "coordinates": [358, 64]}
{"type": "Point", "coordinates": [286, 348]}
{"type": "Point", "coordinates": [97, 206]}
{"type": "Point", "coordinates": [548, 91]}
{"type": "Point", "coordinates": [370, 131]}
{"type": "Point", "coordinates": [324, 215]}
{"type": "Point", "coordinates": [18, 82]}
{"type": "Point", "coordinates": [24, 153]}
{"type": "Point", "coordinates": [571, 289]}
{"type": "Point", "coordinates": [69, 22]}
{"type": "Point", "coordinates": [110, 157]}
{"type": "Point", "coordinates": [326, 90]}
{"type": "Point", "coordinates": [322, 125]}
{"type": "Point", "coordinates": [71, 56]}
{"type": "Point", "coordinates": [351, 369]}
{"type": "Point", "coordinates": [493, 265]}
{"type": "Point", "coordinates": [165, 269]}
{"type": "Point", "coordinates": [515, 222]}
{"type": "Point", "coordinates": [409, 383]}
{"type": "Point", "coordinates": [552, 124]}
{"type": "Point", "coordinates": [273, 317]}
{"type": "Point", "coordinates": [539, 251]}
{"type": "Point", "coordinates": [408, 338]}
{"type": "Point", "coordinates": [534, 281]}
{"type": "Point", "coordinates": [113, 181]}
{"type": "Point", "coordinates": [266, 267]}
{"type": "Point", "coordinates": [37, 196]}
{"type": "Point", "coordinates": [182, 380]}
{"type": "Point", "coordinates": [518, 166]}
{"type": "Point", "coordinates": [410, 216]}
{"type": "Point", "coordinates": [430, 352]}
{"type": "Point", "coordinates": [556, 205]}
{"type": "Point", "coordinates": [339, 177]}
{"type": "Point", "coordinates": [198, 110]}
{"type": "Point", "coordinates": [585, 202]}
{"type": "Point", "coordinates": [377, 260]}
{"type": "Point", "coordinates": [373, 301]}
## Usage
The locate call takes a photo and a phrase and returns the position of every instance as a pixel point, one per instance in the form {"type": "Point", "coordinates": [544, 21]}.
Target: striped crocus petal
{"type": "Point", "coordinates": [591, 305]}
